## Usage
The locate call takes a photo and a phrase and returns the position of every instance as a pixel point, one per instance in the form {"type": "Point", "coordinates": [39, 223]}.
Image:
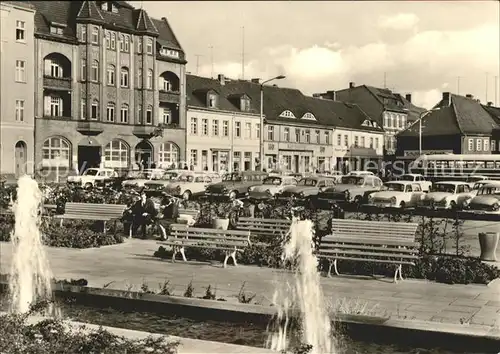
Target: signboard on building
{"type": "Point", "coordinates": [416, 153]}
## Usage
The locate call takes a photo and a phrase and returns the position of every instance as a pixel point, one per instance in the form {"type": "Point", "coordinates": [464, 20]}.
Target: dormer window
{"type": "Point", "coordinates": [109, 6]}
{"type": "Point", "coordinates": [287, 114]}
{"type": "Point", "coordinates": [56, 30]}
{"type": "Point", "coordinates": [309, 116]}
{"type": "Point", "coordinates": [212, 100]}
{"type": "Point", "coordinates": [164, 51]}
{"type": "Point", "coordinates": [244, 104]}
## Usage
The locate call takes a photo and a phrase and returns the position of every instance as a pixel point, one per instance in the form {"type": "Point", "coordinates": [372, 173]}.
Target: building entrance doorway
{"type": "Point", "coordinates": [88, 157]}
{"type": "Point", "coordinates": [20, 158]}
{"type": "Point", "coordinates": [144, 154]}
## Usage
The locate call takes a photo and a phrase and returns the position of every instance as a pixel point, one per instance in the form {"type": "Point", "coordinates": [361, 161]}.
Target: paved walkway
{"type": "Point", "coordinates": [128, 265]}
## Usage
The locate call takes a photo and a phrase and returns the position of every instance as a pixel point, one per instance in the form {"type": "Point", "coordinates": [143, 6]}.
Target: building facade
{"type": "Point", "coordinates": [17, 61]}
{"type": "Point", "coordinates": [110, 87]}
{"type": "Point", "coordinates": [223, 126]}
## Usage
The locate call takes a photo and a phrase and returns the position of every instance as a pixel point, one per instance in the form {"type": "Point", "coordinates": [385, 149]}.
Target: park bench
{"type": "Point", "coordinates": [370, 241]}
{"type": "Point", "coordinates": [229, 241]}
{"type": "Point", "coordinates": [264, 227]}
{"type": "Point", "coordinates": [92, 211]}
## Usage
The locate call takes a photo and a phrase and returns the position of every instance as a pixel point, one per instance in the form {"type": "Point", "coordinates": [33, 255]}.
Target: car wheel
{"type": "Point", "coordinates": [87, 185]}
{"type": "Point", "coordinates": [232, 195]}
{"type": "Point", "coordinates": [186, 195]}
{"type": "Point", "coordinates": [402, 205]}
{"type": "Point", "coordinates": [453, 205]}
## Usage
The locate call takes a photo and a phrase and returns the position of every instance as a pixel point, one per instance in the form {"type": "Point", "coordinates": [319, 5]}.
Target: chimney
{"type": "Point", "coordinates": [489, 104]}
{"type": "Point", "coordinates": [255, 81]}
{"type": "Point", "coordinates": [352, 84]}
{"type": "Point", "coordinates": [329, 95]}
{"type": "Point", "coordinates": [408, 97]}
{"type": "Point", "coordinates": [469, 95]}
{"type": "Point", "coordinates": [221, 79]}
{"type": "Point", "coordinates": [446, 98]}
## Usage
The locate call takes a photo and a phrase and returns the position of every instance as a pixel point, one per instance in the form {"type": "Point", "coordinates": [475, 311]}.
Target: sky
{"type": "Point", "coordinates": [423, 48]}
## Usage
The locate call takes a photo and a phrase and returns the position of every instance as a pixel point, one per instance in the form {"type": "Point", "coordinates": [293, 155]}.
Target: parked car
{"type": "Point", "coordinates": [235, 184]}
{"type": "Point", "coordinates": [157, 186]}
{"type": "Point", "coordinates": [477, 186]}
{"type": "Point", "coordinates": [91, 176]}
{"type": "Point", "coordinates": [137, 179]}
{"type": "Point", "coordinates": [360, 173]}
{"type": "Point", "coordinates": [397, 194]}
{"type": "Point", "coordinates": [190, 184]}
{"type": "Point", "coordinates": [351, 190]}
{"type": "Point", "coordinates": [307, 187]}
{"type": "Point", "coordinates": [417, 178]}
{"type": "Point", "coordinates": [487, 200]}
{"type": "Point", "coordinates": [447, 195]}
{"type": "Point", "coordinates": [280, 172]}
{"type": "Point", "coordinates": [271, 186]}
{"type": "Point", "coordinates": [473, 179]}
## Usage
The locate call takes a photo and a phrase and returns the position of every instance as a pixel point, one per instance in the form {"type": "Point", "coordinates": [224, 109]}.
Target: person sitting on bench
{"type": "Point", "coordinates": [144, 212]}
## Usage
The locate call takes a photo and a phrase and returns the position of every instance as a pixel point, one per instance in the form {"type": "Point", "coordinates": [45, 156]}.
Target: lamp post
{"type": "Point", "coordinates": [261, 137]}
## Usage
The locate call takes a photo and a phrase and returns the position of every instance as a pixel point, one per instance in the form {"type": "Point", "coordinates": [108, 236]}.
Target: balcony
{"type": "Point", "coordinates": [57, 83]}
{"type": "Point", "coordinates": [169, 97]}
{"type": "Point", "coordinates": [146, 131]}
{"type": "Point", "coordinates": [89, 127]}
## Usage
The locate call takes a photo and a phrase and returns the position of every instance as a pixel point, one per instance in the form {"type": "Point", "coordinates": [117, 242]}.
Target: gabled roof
{"type": "Point", "coordinates": [167, 36]}
{"type": "Point", "coordinates": [461, 115]}
{"type": "Point", "coordinates": [143, 23]}
{"type": "Point", "coordinates": [414, 112]}
{"type": "Point", "coordinates": [494, 112]}
{"type": "Point", "coordinates": [89, 11]}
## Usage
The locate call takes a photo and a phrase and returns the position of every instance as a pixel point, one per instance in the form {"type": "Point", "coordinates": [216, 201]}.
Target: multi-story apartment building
{"type": "Point", "coordinates": [110, 86]}
{"type": "Point", "coordinates": [16, 88]}
{"type": "Point", "coordinates": [457, 124]}
{"type": "Point", "coordinates": [391, 111]}
{"type": "Point", "coordinates": [223, 126]}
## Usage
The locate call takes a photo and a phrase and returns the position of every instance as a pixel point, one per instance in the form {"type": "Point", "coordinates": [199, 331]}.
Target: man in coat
{"type": "Point", "coordinates": [144, 212]}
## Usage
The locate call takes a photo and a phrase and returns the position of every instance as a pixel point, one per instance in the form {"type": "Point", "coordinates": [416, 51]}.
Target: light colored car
{"type": "Point", "coordinates": [472, 179]}
{"type": "Point", "coordinates": [351, 189]}
{"type": "Point", "coordinates": [447, 195]}
{"type": "Point", "coordinates": [487, 200]}
{"type": "Point", "coordinates": [417, 178]}
{"type": "Point", "coordinates": [307, 187]}
{"type": "Point", "coordinates": [397, 194]}
{"type": "Point", "coordinates": [360, 173]}
{"type": "Point", "coordinates": [90, 176]}
{"type": "Point", "coordinates": [157, 185]}
{"type": "Point", "coordinates": [235, 184]}
{"type": "Point", "coordinates": [190, 184]}
{"type": "Point", "coordinates": [137, 179]}
{"type": "Point", "coordinates": [271, 186]}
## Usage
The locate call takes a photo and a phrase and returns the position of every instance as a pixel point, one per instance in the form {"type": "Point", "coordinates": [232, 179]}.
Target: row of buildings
{"type": "Point", "coordinates": [88, 83]}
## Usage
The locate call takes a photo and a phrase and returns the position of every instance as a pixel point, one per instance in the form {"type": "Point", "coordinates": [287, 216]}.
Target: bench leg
{"type": "Point", "coordinates": [181, 250]}
{"type": "Point", "coordinates": [334, 265]}
{"type": "Point", "coordinates": [104, 227]}
{"type": "Point", "coordinates": [61, 222]}
{"type": "Point", "coordinates": [230, 254]}
{"type": "Point", "coordinates": [130, 231]}
{"type": "Point", "coordinates": [163, 232]}
{"type": "Point", "coordinates": [398, 273]}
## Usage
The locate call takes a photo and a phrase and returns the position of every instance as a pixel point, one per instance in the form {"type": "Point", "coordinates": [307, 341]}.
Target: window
{"type": "Point", "coordinates": [94, 71]}
{"type": "Point", "coordinates": [270, 133]}
{"type": "Point", "coordinates": [318, 136]}
{"type": "Point", "coordinates": [287, 114]}
{"type": "Point", "coordinates": [376, 143]}
{"type": "Point", "coordinates": [139, 44]}
{"type": "Point", "coordinates": [83, 33]}
{"type": "Point", "coordinates": [20, 71]}
{"type": "Point", "coordinates": [83, 109]}
{"type": "Point", "coordinates": [327, 138]}
{"type": "Point", "coordinates": [124, 77]}
{"type": "Point", "coordinates": [55, 106]}
{"type": "Point", "coordinates": [356, 141]}
{"type": "Point", "coordinates": [248, 130]}
{"type": "Point", "coordinates": [165, 85]}
{"type": "Point", "coordinates": [19, 110]}
{"type": "Point", "coordinates": [149, 46]}
{"type": "Point", "coordinates": [362, 141]}
{"type": "Point", "coordinates": [371, 142]}
{"type": "Point", "coordinates": [116, 154]}
{"type": "Point", "coordinates": [308, 136]}
{"type": "Point", "coordinates": [486, 145]}
{"type": "Point", "coordinates": [168, 154]}
{"type": "Point", "coordinates": [194, 158]}
{"type": "Point", "coordinates": [309, 116]}
{"type": "Point", "coordinates": [83, 69]}
{"type": "Point", "coordinates": [140, 119]}
{"type": "Point", "coordinates": [403, 121]}
{"type": "Point", "coordinates": [124, 113]}
{"type": "Point", "coordinates": [94, 110]}
{"type": "Point", "coordinates": [55, 152]}
{"type": "Point", "coordinates": [111, 74]}
{"type": "Point", "coordinates": [56, 30]}
{"type": "Point", "coordinates": [479, 144]}
{"type": "Point", "coordinates": [20, 31]}
{"type": "Point", "coordinates": [257, 128]}
{"type": "Point", "coordinates": [110, 112]}
{"type": "Point", "coordinates": [286, 134]}
{"type": "Point", "coordinates": [244, 104]}
{"type": "Point", "coordinates": [215, 127]}
{"type": "Point", "coordinates": [121, 42]}
{"type": "Point", "coordinates": [149, 82]}
{"type": "Point", "coordinates": [471, 144]}
{"type": "Point", "coordinates": [493, 145]}
{"type": "Point", "coordinates": [204, 127]}
{"type": "Point", "coordinates": [212, 101]}
{"type": "Point", "coordinates": [108, 39]}
{"type": "Point", "coordinates": [53, 68]}
{"type": "Point", "coordinates": [139, 78]}
{"type": "Point", "coordinates": [126, 44]}
{"type": "Point", "coordinates": [149, 115]}
{"type": "Point", "coordinates": [194, 126]}
{"type": "Point", "coordinates": [237, 129]}
{"type": "Point", "coordinates": [113, 40]}
{"type": "Point", "coordinates": [339, 139]}
{"type": "Point", "coordinates": [297, 135]}
{"type": "Point", "coordinates": [95, 35]}
{"type": "Point", "coordinates": [346, 140]}
{"type": "Point", "coordinates": [165, 115]}
{"type": "Point", "coordinates": [225, 128]}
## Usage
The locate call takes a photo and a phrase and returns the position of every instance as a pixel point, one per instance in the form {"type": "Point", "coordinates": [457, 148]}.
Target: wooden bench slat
{"type": "Point", "coordinates": [266, 221]}
{"type": "Point", "coordinates": [339, 247]}
{"type": "Point", "coordinates": [228, 237]}
{"type": "Point", "coordinates": [373, 260]}
{"type": "Point", "coordinates": [377, 242]}
{"type": "Point", "coordinates": [197, 230]}
{"type": "Point", "coordinates": [357, 252]}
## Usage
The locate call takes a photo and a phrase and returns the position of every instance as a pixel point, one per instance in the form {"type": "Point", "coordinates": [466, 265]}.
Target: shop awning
{"type": "Point", "coordinates": [362, 152]}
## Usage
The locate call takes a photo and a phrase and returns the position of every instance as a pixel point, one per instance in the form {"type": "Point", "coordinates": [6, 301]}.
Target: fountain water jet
{"type": "Point", "coordinates": [30, 273]}
{"type": "Point", "coordinates": [306, 291]}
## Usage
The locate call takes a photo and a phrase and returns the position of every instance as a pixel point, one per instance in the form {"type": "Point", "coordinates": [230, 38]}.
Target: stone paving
{"type": "Point", "coordinates": [129, 265]}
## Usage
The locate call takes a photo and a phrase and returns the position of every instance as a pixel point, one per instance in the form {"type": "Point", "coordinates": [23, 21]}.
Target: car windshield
{"type": "Point", "coordinates": [489, 190]}
{"type": "Point", "coordinates": [186, 178]}
{"type": "Point", "coordinates": [276, 181]}
{"type": "Point", "coordinates": [357, 180]}
{"type": "Point", "coordinates": [169, 176]}
{"type": "Point", "coordinates": [444, 187]}
{"type": "Point", "coordinates": [232, 177]}
{"type": "Point", "coordinates": [90, 172]}
{"type": "Point", "coordinates": [479, 185]}
{"type": "Point", "coordinates": [307, 182]}
{"type": "Point", "coordinates": [407, 178]}
{"type": "Point", "coordinates": [397, 187]}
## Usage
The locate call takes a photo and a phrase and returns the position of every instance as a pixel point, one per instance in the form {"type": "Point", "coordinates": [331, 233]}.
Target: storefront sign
{"type": "Point", "coordinates": [416, 153]}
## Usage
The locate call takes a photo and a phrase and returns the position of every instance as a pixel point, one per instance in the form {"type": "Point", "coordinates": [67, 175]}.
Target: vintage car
{"type": "Point", "coordinates": [350, 190]}
{"type": "Point", "coordinates": [157, 186]}
{"type": "Point", "coordinates": [473, 179]}
{"type": "Point", "coordinates": [487, 200]}
{"type": "Point", "coordinates": [306, 188]}
{"type": "Point", "coordinates": [271, 186]}
{"type": "Point", "coordinates": [190, 184]}
{"type": "Point", "coordinates": [360, 173]}
{"type": "Point", "coordinates": [397, 194]}
{"type": "Point", "coordinates": [137, 179]}
{"type": "Point", "coordinates": [235, 184]}
{"type": "Point", "coordinates": [447, 195]}
{"type": "Point", "coordinates": [280, 172]}
{"type": "Point", "coordinates": [477, 186]}
{"type": "Point", "coordinates": [91, 176]}
{"type": "Point", "coordinates": [417, 178]}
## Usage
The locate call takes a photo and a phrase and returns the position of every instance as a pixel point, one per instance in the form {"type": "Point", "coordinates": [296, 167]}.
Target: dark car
{"type": "Point", "coordinates": [235, 185]}
{"type": "Point", "coordinates": [349, 190]}
{"type": "Point", "coordinates": [307, 188]}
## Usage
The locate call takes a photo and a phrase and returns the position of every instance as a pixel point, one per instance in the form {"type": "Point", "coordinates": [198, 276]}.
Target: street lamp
{"type": "Point", "coordinates": [261, 137]}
